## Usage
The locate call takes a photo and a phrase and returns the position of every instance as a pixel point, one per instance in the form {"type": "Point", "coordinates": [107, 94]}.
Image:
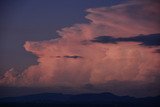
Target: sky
{"type": "Point", "coordinates": [80, 46]}
{"type": "Point", "coordinates": [36, 20]}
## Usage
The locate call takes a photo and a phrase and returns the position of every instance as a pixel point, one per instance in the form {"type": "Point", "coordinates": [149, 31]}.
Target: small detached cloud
{"type": "Point", "coordinates": [146, 40]}
{"type": "Point", "coordinates": [74, 56]}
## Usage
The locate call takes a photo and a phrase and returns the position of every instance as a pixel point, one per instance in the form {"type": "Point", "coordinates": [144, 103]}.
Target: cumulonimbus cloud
{"type": "Point", "coordinates": [73, 60]}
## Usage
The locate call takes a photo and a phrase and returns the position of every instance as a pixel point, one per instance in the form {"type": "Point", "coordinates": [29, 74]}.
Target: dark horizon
{"type": "Point", "coordinates": [79, 100]}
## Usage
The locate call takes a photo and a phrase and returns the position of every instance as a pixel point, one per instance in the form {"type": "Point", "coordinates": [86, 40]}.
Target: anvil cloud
{"type": "Point", "coordinates": [74, 60]}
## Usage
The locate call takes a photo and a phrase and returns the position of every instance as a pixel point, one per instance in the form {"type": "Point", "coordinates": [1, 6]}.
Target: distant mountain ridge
{"type": "Point", "coordinates": [88, 99]}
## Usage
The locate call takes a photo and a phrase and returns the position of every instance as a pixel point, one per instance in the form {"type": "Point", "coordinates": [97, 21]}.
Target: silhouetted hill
{"type": "Point", "coordinates": [80, 100]}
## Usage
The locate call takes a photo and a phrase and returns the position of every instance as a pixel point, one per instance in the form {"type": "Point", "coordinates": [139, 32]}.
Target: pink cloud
{"type": "Point", "coordinates": [128, 19]}
{"type": "Point", "coordinates": [99, 63]}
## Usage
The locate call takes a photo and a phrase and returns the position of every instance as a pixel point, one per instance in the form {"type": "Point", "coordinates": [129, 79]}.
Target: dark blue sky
{"type": "Point", "coordinates": [23, 20]}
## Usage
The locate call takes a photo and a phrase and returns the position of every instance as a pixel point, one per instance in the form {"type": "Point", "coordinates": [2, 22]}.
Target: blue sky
{"type": "Point", "coordinates": [36, 20]}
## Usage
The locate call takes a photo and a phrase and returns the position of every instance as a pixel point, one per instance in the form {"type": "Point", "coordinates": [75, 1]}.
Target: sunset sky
{"type": "Point", "coordinates": [80, 46]}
